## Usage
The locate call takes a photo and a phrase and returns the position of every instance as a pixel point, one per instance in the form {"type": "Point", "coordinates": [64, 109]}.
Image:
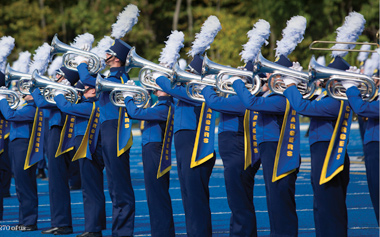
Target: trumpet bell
{"type": "Point", "coordinates": [141, 97]}
{"type": "Point", "coordinates": [13, 75]}
{"type": "Point", "coordinates": [69, 54]}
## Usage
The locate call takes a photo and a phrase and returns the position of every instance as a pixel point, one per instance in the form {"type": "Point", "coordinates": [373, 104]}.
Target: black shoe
{"type": "Point", "coordinates": [50, 231]}
{"type": "Point", "coordinates": [72, 188]}
{"type": "Point", "coordinates": [91, 234]}
{"type": "Point", "coordinates": [41, 174]}
{"type": "Point", "coordinates": [29, 228]}
{"type": "Point", "coordinates": [65, 230]}
{"type": "Point", "coordinates": [17, 227]}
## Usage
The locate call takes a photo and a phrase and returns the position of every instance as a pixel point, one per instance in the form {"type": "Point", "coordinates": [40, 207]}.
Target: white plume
{"type": "Point", "coordinates": [125, 21]}
{"type": "Point", "coordinates": [7, 43]}
{"type": "Point", "coordinates": [22, 63]}
{"type": "Point", "coordinates": [202, 41]}
{"type": "Point", "coordinates": [291, 36]}
{"type": "Point", "coordinates": [54, 66]}
{"type": "Point", "coordinates": [256, 38]}
{"type": "Point", "coordinates": [364, 55]}
{"type": "Point", "coordinates": [170, 53]}
{"type": "Point", "coordinates": [321, 60]}
{"type": "Point", "coordinates": [349, 32]}
{"type": "Point", "coordinates": [40, 59]}
{"type": "Point", "coordinates": [101, 48]}
{"type": "Point", "coordinates": [371, 64]}
{"type": "Point", "coordinates": [85, 39]}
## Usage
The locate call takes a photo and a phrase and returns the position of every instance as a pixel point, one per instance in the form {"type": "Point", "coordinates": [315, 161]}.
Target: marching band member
{"type": "Point", "coordinates": [274, 124]}
{"type": "Point", "coordinates": [116, 148]}
{"type": "Point", "coordinates": [240, 165]}
{"type": "Point", "coordinates": [194, 166]}
{"type": "Point", "coordinates": [7, 44]}
{"type": "Point", "coordinates": [58, 166]}
{"type": "Point", "coordinates": [371, 136]}
{"type": "Point", "coordinates": [91, 163]}
{"type": "Point", "coordinates": [25, 180]}
{"type": "Point", "coordinates": [157, 126]}
{"type": "Point", "coordinates": [329, 130]}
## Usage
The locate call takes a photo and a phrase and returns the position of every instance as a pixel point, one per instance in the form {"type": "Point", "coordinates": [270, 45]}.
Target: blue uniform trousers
{"type": "Point", "coordinates": [59, 191]}
{"type": "Point", "coordinates": [94, 202]}
{"type": "Point", "coordinates": [280, 195]}
{"type": "Point", "coordinates": [74, 172]}
{"type": "Point", "coordinates": [330, 210]}
{"type": "Point", "coordinates": [239, 184]}
{"type": "Point", "coordinates": [119, 181]}
{"type": "Point", "coordinates": [157, 192]}
{"type": "Point", "coordinates": [25, 182]}
{"type": "Point", "coordinates": [371, 152]}
{"type": "Point", "coordinates": [6, 168]}
{"type": "Point", "coordinates": [194, 185]}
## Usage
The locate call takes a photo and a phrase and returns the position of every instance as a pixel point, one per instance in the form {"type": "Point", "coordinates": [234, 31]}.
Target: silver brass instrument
{"type": "Point", "coordinates": [13, 75]}
{"type": "Point", "coordinates": [133, 60]}
{"type": "Point", "coordinates": [210, 67]}
{"type": "Point", "coordinates": [141, 97]}
{"type": "Point", "coordinates": [12, 97]}
{"type": "Point", "coordinates": [48, 88]}
{"type": "Point", "coordinates": [193, 82]}
{"type": "Point", "coordinates": [334, 77]}
{"type": "Point", "coordinates": [347, 50]}
{"type": "Point", "coordinates": [145, 74]}
{"type": "Point", "coordinates": [262, 65]}
{"type": "Point", "coordinates": [69, 54]}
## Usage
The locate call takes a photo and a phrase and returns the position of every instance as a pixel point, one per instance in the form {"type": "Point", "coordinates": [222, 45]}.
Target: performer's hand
{"type": "Point", "coordinates": [128, 94]}
{"type": "Point", "coordinates": [130, 83]}
{"type": "Point", "coordinates": [347, 84]}
{"type": "Point", "coordinates": [59, 92]}
{"type": "Point", "coordinates": [80, 59]}
{"type": "Point", "coordinates": [156, 75]}
{"type": "Point", "coordinates": [296, 66]}
{"type": "Point", "coordinates": [201, 87]}
{"type": "Point", "coordinates": [353, 69]}
{"type": "Point", "coordinates": [290, 80]}
{"type": "Point", "coordinates": [234, 78]}
{"type": "Point", "coordinates": [3, 96]}
{"type": "Point", "coordinates": [65, 82]}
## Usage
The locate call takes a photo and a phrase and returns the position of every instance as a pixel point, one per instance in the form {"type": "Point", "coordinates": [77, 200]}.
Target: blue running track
{"type": "Point", "coordinates": [362, 221]}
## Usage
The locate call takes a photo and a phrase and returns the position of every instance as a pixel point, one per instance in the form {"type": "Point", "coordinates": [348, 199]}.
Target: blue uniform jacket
{"type": "Point", "coordinates": [82, 112]}
{"type": "Point", "coordinates": [323, 114]}
{"type": "Point", "coordinates": [108, 111]}
{"type": "Point", "coordinates": [186, 110]}
{"type": "Point", "coordinates": [231, 110]}
{"type": "Point", "coordinates": [365, 109]}
{"type": "Point", "coordinates": [155, 118]}
{"type": "Point", "coordinates": [271, 110]}
{"type": "Point", "coordinates": [55, 116]}
{"type": "Point", "coordinates": [21, 119]}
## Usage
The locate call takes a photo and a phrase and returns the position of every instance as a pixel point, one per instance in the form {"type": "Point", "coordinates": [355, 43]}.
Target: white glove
{"type": "Point", "coordinates": [130, 83]}
{"type": "Point", "coordinates": [128, 94]}
{"type": "Point", "coordinates": [234, 78]}
{"type": "Point", "coordinates": [59, 92]}
{"type": "Point", "coordinates": [242, 68]}
{"type": "Point", "coordinates": [296, 66]}
{"type": "Point", "coordinates": [156, 75]}
{"type": "Point", "coordinates": [353, 69]}
{"type": "Point", "coordinates": [290, 80]}
{"type": "Point", "coordinates": [201, 87]}
{"type": "Point", "coordinates": [79, 59]}
{"type": "Point", "coordinates": [3, 96]}
{"type": "Point", "coordinates": [348, 84]}
{"type": "Point", "coordinates": [65, 82]}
